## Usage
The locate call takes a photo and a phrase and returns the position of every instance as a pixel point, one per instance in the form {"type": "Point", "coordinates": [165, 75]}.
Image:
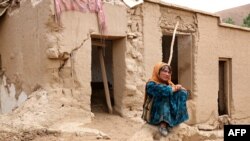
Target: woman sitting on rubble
{"type": "Point", "coordinates": [165, 103]}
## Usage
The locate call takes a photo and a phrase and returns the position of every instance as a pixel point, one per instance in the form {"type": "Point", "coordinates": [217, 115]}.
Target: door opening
{"type": "Point", "coordinates": [98, 98]}
{"type": "Point", "coordinates": [224, 86]}
{"type": "Point", "coordinates": [166, 44]}
{"type": "Point", "coordinates": [182, 59]}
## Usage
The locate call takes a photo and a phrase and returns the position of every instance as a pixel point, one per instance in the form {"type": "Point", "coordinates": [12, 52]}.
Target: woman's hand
{"type": "Point", "coordinates": [177, 88]}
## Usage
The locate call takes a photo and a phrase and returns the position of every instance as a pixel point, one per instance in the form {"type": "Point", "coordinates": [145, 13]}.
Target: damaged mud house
{"type": "Point", "coordinates": [56, 55]}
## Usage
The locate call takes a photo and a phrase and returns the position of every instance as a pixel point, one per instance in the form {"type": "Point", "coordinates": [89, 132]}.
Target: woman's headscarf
{"type": "Point", "coordinates": [155, 74]}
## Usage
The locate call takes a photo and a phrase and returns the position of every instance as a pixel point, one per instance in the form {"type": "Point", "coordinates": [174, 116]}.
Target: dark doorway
{"type": "Point", "coordinates": [98, 99]}
{"type": "Point", "coordinates": [224, 86]}
{"type": "Point", "coordinates": [166, 44]}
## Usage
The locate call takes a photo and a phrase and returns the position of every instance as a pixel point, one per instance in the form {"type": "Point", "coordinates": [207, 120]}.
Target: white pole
{"type": "Point", "coordinates": [172, 44]}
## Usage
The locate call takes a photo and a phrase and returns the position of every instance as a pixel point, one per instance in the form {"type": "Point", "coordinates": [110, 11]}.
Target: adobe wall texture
{"type": "Point", "coordinates": [37, 53]}
{"type": "Point", "coordinates": [221, 42]}
{"type": "Point", "coordinates": [23, 40]}
{"type": "Point", "coordinates": [22, 43]}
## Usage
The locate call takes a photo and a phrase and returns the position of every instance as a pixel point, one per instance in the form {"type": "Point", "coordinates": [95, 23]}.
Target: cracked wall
{"type": "Point", "coordinates": [70, 49]}
{"type": "Point", "coordinates": [135, 72]}
{"type": "Point", "coordinates": [10, 98]}
{"type": "Point", "coordinates": [58, 58]}
{"type": "Point", "coordinates": [22, 43]}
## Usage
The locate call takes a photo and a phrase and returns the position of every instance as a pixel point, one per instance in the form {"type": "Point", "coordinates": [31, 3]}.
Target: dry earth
{"type": "Point", "coordinates": [43, 117]}
{"type": "Point", "coordinates": [103, 127]}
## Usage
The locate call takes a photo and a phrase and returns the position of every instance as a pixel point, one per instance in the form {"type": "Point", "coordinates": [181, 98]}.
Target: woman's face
{"type": "Point", "coordinates": [165, 74]}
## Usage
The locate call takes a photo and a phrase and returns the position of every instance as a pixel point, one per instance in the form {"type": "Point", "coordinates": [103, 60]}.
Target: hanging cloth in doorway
{"type": "Point", "coordinates": [82, 6]}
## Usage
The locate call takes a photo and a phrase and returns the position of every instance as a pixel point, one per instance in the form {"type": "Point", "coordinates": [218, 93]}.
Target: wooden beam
{"type": "Point", "coordinates": [105, 81]}
{"type": "Point", "coordinates": [107, 37]}
{"type": "Point", "coordinates": [98, 43]}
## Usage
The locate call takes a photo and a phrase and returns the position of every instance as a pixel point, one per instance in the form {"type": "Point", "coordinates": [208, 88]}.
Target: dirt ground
{"type": "Point", "coordinates": [32, 122]}
{"type": "Point", "coordinates": [114, 127]}
{"type": "Point", "coordinates": [41, 119]}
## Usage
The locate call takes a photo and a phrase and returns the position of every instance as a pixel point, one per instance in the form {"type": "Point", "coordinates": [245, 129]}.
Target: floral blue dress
{"type": "Point", "coordinates": [167, 106]}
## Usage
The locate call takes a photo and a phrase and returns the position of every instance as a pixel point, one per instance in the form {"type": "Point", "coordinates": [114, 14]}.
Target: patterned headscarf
{"type": "Point", "coordinates": [155, 74]}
